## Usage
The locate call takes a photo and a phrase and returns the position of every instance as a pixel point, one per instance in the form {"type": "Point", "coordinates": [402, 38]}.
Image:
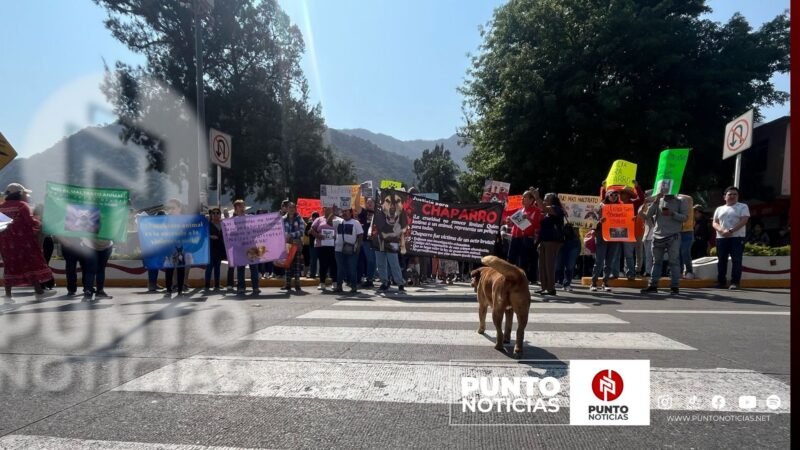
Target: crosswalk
{"type": "Point", "coordinates": [378, 378]}
{"type": "Point", "coordinates": [398, 322]}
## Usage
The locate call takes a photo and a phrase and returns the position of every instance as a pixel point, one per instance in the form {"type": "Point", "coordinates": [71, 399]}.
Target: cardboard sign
{"type": "Point", "coordinates": [340, 196]}
{"type": "Point", "coordinates": [391, 184]}
{"type": "Point", "coordinates": [495, 192]}
{"type": "Point", "coordinates": [622, 173]}
{"type": "Point", "coordinates": [7, 152]}
{"type": "Point", "coordinates": [581, 210]}
{"type": "Point", "coordinates": [671, 165]}
{"type": "Point", "coordinates": [520, 219]}
{"type": "Point", "coordinates": [307, 206]}
{"type": "Point", "coordinates": [620, 224]}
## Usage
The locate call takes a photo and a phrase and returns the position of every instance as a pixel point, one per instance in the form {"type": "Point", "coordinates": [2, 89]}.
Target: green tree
{"type": "Point", "coordinates": [254, 90]}
{"type": "Point", "coordinates": [561, 88]}
{"type": "Point", "coordinates": [436, 172]}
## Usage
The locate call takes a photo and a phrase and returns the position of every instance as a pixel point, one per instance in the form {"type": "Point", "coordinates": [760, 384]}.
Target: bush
{"type": "Point", "coordinates": [760, 250]}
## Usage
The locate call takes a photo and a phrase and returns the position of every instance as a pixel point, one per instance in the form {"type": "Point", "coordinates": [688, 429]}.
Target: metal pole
{"type": "Point", "coordinates": [202, 154]}
{"type": "Point", "coordinates": [219, 186]}
{"type": "Point", "coordinates": [738, 171]}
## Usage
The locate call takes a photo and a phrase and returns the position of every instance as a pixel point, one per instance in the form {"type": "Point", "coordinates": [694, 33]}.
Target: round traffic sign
{"type": "Point", "coordinates": [737, 136]}
{"type": "Point", "coordinates": [220, 149]}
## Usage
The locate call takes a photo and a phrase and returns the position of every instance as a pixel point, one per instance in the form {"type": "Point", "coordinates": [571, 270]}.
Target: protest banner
{"type": "Point", "coordinates": [671, 164]}
{"type": "Point", "coordinates": [464, 232]}
{"type": "Point", "coordinates": [391, 220]}
{"type": "Point", "coordinates": [429, 195]}
{"type": "Point", "coordinates": [76, 211]}
{"type": "Point", "coordinates": [495, 191]}
{"type": "Point", "coordinates": [173, 241]}
{"type": "Point", "coordinates": [307, 206]}
{"type": "Point", "coordinates": [622, 174]}
{"type": "Point", "coordinates": [254, 239]}
{"type": "Point", "coordinates": [391, 184]}
{"type": "Point", "coordinates": [340, 196]}
{"type": "Point", "coordinates": [581, 210]}
{"type": "Point", "coordinates": [620, 222]}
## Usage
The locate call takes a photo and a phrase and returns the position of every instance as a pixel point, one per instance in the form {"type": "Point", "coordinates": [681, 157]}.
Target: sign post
{"type": "Point", "coordinates": [220, 150]}
{"type": "Point", "coordinates": [738, 138]}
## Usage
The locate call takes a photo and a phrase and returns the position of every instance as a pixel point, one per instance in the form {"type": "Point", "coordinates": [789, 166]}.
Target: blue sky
{"type": "Point", "coordinates": [386, 65]}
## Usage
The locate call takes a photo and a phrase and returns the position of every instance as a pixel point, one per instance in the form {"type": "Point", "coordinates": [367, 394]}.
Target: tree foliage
{"type": "Point", "coordinates": [562, 88]}
{"type": "Point", "coordinates": [254, 90]}
{"type": "Point", "coordinates": [436, 172]}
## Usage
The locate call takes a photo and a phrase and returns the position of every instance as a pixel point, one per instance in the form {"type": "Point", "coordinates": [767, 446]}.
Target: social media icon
{"type": "Point", "coordinates": [665, 402]}
{"type": "Point", "coordinates": [747, 402]}
{"type": "Point", "coordinates": [773, 402]}
{"type": "Point", "coordinates": [693, 400]}
{"type": "Point", "coordinates": [718, 402]}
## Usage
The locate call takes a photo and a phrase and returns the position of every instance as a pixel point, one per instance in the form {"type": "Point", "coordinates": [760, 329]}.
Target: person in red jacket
{"type": "Point", "coordinates": [524, 226]}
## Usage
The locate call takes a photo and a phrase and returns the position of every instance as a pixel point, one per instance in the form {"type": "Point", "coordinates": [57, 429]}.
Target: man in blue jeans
{"type": "Point", "coordinates": [730, 221]}
{"type": "Point", "coordinates": [668, 212]}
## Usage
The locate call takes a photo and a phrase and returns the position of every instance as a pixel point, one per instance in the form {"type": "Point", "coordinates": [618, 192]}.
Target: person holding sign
{"type": "Point", "coordinates": [349, 235]}
{"type": "Point", "coordinates": [604, 252]}
{"type": "Point", "coordinates": [23, 259]}
{"type": "Point", "coordinates": [668, 212]}
{"type": "Point", "coordinates": [217, 244]}
{"type": "Point", "coordinates": [524, 225]}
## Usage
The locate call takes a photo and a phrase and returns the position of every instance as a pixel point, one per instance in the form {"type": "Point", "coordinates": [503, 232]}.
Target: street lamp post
{"type": "Point", "coordinates": [198, 194]}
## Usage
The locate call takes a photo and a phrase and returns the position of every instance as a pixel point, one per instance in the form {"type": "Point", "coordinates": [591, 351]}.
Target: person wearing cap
{"type": "Point", "coordinates": [23, 260]}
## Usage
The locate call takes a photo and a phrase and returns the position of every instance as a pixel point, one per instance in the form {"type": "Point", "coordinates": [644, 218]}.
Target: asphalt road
{"type": "Point", "coordinates": [366, 371]}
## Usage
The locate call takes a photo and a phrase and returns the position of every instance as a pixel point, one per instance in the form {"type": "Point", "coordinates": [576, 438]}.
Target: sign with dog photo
{"type": "Point", "coordinates": [465, 232]}
{"type": "Point", "coordinates": [173, 241]}
{"type": "Point", "coordinates": [391, 221]}
{"type": "Point", "coordinates": [254, 239]}
{"type": "Point", "coordinates": [76, 211]}
{"type": "Point", "coordinates": [620, 223]}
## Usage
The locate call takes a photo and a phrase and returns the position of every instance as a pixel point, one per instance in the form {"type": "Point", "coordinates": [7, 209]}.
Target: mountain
{"type": "Point", "coordinates": [94, 156]}
{"type": "Point", "coordinates": [412, 149]}
{"type": "Point", "coordinates": [371, 161]}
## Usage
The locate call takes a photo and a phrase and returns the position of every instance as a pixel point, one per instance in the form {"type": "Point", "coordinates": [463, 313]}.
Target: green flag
{"type": "Point", "coordinates": [78, 211]}
{"type": "Point", "coordinates": [671, 164]}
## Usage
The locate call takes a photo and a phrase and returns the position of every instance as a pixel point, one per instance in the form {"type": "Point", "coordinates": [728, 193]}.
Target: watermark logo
{"type": "Point", "coordinates": [607, 385]}
{"type": "Point", "coordinates": [747, 401]}
{"type": "Point", "coordinates": [717, 402]}
{"type": "Point", "coordinates": [603, 398]}
{"type": "Point", "coordinates": [773, 402]}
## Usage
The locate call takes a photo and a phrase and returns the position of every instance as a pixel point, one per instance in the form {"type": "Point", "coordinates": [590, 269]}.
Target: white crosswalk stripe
{"type": "Point", "coordinates": [410, 336]}
{"type": "Point", "coordinates": [439, 304]}
{"type": "Point", "coordinates": [429, 382]}
{"type": "Point", "coordinates": [427, 316]}
{"type": "Point", "coordinates": [21, 441]}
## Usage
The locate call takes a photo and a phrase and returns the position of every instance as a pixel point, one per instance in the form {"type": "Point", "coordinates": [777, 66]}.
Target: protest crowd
{"type": "Point", "coordinates": [360, 238]}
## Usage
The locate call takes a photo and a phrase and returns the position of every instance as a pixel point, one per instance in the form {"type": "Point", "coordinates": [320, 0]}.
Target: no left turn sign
{"type": "Point", "coordinates": [738, 135]}
{"type": "Point", "coordinates": [219, 147]}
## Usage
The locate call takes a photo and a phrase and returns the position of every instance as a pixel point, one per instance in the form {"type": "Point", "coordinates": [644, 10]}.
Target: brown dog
{"type": "Point", "coordinates": [504, 287]}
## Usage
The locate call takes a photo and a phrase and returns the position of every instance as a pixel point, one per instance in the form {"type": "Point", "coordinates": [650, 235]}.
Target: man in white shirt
{"type": "Point", "coordinates": [349, 234]}
{"type": "Point", "coordinates": [730, 221]}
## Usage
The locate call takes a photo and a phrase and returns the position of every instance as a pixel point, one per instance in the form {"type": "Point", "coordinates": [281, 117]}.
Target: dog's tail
{"type": "Point", "coordinates": [508, 270]}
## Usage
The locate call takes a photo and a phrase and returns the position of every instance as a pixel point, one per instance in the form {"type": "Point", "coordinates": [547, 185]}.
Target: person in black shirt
{"type": "Point", "coordinates": [702, 233]}
{"type": "Point", "coordinates": [551, 238]}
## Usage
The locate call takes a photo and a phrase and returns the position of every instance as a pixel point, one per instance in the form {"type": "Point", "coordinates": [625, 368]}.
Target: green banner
{"type": "Point", "coordinates": [86, 212]}
{"type": "Point", "coordinates": [671, 164]}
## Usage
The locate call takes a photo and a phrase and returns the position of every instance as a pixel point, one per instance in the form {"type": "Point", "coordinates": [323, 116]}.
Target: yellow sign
{"type": "Point", "coordinates": [391, 184]}
{"type": "Point", "coordinates": [7, 152]}
{"type": "Point", "coordinates": [622, 173]}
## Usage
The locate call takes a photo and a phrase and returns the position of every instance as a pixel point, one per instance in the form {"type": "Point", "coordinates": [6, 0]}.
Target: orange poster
{"type": "Point", "coordinates": [620, 222]}
{"type": "Point", "coordinates": [306, 206]}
